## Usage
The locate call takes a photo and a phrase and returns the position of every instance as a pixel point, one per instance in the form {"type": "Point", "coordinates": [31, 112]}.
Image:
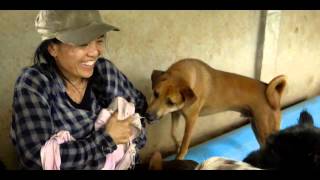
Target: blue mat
{"type": "Point", "coordinates": [238, 143]}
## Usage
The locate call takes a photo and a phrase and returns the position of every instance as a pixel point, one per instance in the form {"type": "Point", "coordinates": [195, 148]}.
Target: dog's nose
{"type": "Point", "coordinates": [151, 116]}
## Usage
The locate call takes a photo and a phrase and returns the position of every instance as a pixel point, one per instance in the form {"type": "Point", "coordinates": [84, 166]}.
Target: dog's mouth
{"type": "Point", "coordinates": [152, 116]}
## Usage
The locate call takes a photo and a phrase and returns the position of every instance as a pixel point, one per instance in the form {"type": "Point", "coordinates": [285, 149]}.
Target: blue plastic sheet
{"type": "Point", "coordinates": [238, 143]}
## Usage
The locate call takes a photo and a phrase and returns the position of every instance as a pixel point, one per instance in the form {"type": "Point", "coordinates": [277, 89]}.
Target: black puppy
{"type": "Point", "coordinates": [157, 163]}
{"type": "Point", "coordinates": [2, 166]}
{"type": "Point", "coordinates": [296, 147]}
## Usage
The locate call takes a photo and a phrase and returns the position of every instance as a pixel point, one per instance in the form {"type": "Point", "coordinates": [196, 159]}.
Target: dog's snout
{"type": "Point", "coordinates": [151, 116]}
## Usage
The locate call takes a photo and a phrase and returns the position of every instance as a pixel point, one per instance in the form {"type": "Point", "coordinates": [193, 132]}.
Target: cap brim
{"type": "Point", "coordinates": [86, 34]}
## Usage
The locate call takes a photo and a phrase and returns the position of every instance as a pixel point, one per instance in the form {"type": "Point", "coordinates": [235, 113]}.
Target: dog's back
{"type": "Point", "coordinates": [228, 90]}
{"type": "Point", "coordinates": [296, 147]}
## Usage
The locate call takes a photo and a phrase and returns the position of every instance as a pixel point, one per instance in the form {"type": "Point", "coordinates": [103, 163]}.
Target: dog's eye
{"type": "Point", "coordinates": [156, 95]}
{"type": "Point", "coordinates": [169, 102]}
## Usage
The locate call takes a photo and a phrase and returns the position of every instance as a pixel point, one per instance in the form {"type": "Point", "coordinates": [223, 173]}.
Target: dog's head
{"type": "Point", "coordinates": [170, 94]}
{"type": "Point", "coordinates": [297, 146]}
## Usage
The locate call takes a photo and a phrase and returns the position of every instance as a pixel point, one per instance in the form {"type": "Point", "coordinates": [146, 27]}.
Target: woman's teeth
{"type": "Point", "coordinates": [89, 63]}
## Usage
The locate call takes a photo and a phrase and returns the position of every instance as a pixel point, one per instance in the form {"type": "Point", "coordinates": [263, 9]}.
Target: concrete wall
{"type": "Point", "coordinates": [226, 40]}
{"type": "Point", "coordinates": [155, 39]}
{"type": "Point", "coordinates": [297, 54]}
{"type": "Point", "coordinates": [17, 41]}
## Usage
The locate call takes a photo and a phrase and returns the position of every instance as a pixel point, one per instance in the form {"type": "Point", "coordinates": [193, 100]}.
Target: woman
{"type": "Point", "coordinates": [68, 90]}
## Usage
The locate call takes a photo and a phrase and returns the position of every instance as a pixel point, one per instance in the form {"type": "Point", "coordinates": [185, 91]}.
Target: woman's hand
{"type": "Point", "coordinates": [119, 130]}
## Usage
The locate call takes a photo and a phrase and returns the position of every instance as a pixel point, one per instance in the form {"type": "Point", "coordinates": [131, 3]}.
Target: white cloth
{"type": "Point", "coordinates": [221, 163]}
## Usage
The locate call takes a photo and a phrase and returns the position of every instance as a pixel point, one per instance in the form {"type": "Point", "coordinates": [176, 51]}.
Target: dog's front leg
{"type": "Point", "coordinates": [174, 124]}
{"type": "Point", "coordinates": [190, 122]}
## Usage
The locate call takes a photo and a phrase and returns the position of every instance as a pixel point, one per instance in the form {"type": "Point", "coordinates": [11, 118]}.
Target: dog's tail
{"type": "Point", "coordinates": [275, 89]}
{"type": "Point", "coordinates": [305, 119]}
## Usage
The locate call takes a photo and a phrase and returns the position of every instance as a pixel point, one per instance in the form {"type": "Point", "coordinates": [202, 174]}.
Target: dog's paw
{"type": "Point", "coordinates": [180, 157]}
{"type": "Point", "coordinates": [178, 147]}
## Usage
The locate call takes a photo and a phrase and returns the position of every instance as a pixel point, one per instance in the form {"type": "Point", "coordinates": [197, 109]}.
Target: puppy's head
{"type": "Point", "coordinates": [169, 94]}
{"type": "Point", "coordinates": [157, 163]}
{"type": "Point", "coordinates": [291, 148]}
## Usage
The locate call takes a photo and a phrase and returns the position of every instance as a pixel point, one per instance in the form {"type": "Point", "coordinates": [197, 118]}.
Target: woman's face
{"type": "Point", "coordinates": [77, 62]}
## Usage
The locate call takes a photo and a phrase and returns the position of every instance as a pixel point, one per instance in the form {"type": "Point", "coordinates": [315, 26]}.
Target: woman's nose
{"type": "Point", "coordinates": [93, 49]}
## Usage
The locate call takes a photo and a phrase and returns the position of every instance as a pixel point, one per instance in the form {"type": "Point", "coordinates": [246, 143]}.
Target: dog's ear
{"type": "Point", "coordinates": [305, 119]}
{"type": "Point", "coordinates": [188, 95]}
{"type": "Point", "coordinates": [156, 161]}
{"type": "Point", "coordinates": [155, 76]}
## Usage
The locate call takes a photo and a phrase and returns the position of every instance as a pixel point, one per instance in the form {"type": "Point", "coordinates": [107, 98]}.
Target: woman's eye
{"type": "Point", "coordinates": [100, 41]}
{"type": "Point", "coordinates": [83, 45]}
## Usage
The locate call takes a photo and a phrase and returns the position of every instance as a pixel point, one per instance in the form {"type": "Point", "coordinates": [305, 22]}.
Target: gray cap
{"type": "Point", "coordinates": [71, 26]}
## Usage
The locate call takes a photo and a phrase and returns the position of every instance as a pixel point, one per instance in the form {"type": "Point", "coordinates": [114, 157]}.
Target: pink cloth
{"type": "Point", "coordinates": [50, 152]}
{"type": "Point", "coordinates": [120, 159]}
{"type": "Point", "coordinates": [123, 156]}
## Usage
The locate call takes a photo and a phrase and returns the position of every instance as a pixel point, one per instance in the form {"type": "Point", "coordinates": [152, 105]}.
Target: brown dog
{"type": "Point", "coordinates": [192, 88]}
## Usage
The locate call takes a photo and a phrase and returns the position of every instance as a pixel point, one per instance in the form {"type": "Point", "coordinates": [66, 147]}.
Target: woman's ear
{"type": "Point", "coordinates": [52, 49]}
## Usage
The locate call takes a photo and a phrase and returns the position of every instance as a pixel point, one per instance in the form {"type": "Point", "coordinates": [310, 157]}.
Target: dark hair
{"type": "Point", "coordinates": [43, 53]}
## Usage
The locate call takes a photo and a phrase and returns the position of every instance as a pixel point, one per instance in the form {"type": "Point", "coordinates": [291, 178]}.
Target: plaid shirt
{"type": "Point", "coordinates": [41, 108]}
